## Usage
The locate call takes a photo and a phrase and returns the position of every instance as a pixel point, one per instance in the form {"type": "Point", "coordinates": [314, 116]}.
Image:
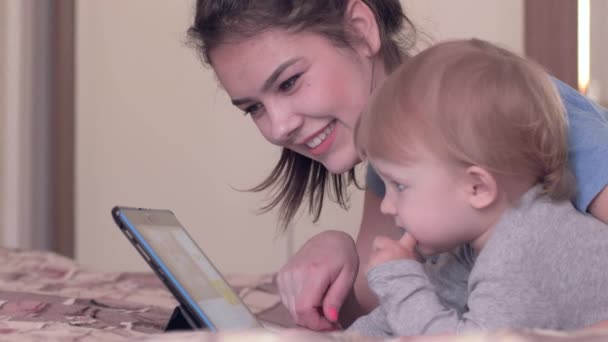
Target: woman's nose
{"type": "Point", "coordinates": [284, 125]}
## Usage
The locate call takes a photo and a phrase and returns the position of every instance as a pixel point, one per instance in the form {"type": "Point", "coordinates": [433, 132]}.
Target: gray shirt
{"type": "Point", "coordinates": [544, 266]}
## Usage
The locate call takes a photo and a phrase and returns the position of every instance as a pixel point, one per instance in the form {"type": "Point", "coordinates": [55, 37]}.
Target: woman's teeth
{"type": "Point", "coordinates": [316, 141]}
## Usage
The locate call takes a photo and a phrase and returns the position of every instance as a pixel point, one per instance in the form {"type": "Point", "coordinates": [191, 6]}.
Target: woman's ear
{"type": "Point", "coordinates": [480, 187]}
{"type": "Point", "coordinates": [362, 20]}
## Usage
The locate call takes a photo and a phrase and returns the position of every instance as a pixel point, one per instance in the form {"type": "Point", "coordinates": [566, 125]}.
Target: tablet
{"type": "Point", "coordinates": [207, 301]}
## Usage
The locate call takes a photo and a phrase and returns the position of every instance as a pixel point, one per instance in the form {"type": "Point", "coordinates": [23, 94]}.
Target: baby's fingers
{"type": "Point", "coordinates": [408, 241]}
{"type": "Point", "coordinates": [381, 242]}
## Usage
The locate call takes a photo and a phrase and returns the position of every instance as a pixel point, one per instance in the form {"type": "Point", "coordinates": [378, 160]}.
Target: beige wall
{"type": "Point", "coordinates": [599, 51]}
{"type": "Point", "coordinates": [24, 126]}
{"type": "Point", "coordinates": [498, 21]}
{"type": "Point", "coordinates": [154, 130]}
{"type": "Point", "coordinates": [3, 32]}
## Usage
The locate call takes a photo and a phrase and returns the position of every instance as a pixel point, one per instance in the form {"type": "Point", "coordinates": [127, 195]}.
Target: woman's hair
{"type": "Point", "coordinates": [296, 177]}
{"type": "Point", "coordinates": [473, 103]}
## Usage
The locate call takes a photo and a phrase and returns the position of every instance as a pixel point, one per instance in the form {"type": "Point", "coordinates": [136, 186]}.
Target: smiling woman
{"type": "Point", "coordinates": [282, 78]}
{"type": "Point", "coordinates": [342, 49]}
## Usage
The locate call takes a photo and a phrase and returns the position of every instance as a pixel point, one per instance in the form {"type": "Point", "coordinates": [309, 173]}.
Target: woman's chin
{"type": "Point", "coordinates": [342, 165]}
{"type": "Point", "coordinates": [336, 162]}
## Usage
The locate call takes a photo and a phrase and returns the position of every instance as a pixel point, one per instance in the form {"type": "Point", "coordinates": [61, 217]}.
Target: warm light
{"type": "Point", "coordinates": [584, 44]}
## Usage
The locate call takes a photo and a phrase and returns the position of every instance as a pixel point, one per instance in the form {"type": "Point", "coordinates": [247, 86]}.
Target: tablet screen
{"type": "Point", "coordinates": [192, 270]}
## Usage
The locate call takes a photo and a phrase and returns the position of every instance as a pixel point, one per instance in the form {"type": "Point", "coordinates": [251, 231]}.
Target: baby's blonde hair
{"type": "Point", "coordinates": [475, 104]}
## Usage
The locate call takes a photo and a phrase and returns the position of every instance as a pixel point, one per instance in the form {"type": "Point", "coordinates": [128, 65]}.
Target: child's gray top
{"type": "Point", "coordinates": [544, 266]}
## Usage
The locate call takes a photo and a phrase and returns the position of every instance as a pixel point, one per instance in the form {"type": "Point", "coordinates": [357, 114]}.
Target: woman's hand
{"type": "Point", "coordinates": [317, 279]}
{"type": "Point", "coordinates": [385, 249]}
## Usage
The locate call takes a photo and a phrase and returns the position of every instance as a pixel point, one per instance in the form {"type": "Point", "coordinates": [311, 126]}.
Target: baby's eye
{"type": "Point", "coordinates": [289, 83]}
{"type": "Point", "coordinates": [253, 109]}
{"type": "Point", "coordinates": [399, 187]}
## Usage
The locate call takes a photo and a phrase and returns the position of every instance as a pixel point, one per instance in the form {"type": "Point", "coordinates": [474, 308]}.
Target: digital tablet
{"type": "Point", "coordinates": [206, 299]}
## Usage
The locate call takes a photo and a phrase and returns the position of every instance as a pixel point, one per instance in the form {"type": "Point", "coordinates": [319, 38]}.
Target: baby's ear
{"type": "Point", "coordinates": [480, 187]}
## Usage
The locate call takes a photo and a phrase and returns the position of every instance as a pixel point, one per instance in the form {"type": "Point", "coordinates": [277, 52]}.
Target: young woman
{"type": "Point", "coordinates": [303, 70]}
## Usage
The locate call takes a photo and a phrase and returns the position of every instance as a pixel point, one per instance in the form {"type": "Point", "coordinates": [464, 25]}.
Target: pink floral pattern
{"type": "Point", "coordinates": [47, 297]}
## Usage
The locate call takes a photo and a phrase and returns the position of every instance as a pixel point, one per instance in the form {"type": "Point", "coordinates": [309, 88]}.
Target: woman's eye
{"type": "Point", "coordinates": [289, 83]}
{"type": "Point", "coordinates": [253, 109]}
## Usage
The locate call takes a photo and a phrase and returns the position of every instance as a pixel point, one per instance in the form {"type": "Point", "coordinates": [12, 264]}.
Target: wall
{"type": "Point", "coordinates": [599, 51]}
{"type": "Point", "coordinates": [152, 132]}
{"type": "Point", "coordinates": [25, 105]}
{"type": "Point", "coordinates": [498, 21]}
{"type": "Point", "coordinates": [155, 130]}
{"type": "Point", "coordinates": [3, 89]}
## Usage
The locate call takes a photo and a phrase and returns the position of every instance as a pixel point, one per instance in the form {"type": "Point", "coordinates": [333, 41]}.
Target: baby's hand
{"type": "Point", "coordinates": [385, 250]}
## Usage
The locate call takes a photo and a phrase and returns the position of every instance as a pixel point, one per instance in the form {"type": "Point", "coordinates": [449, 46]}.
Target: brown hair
{"type": "Point", "coordinates": [296, 177]}
{"type": "Point", "coordinates": [477, 104]}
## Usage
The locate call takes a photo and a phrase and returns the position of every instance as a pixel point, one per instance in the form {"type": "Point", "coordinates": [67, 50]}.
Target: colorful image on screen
{"type": "Point", "coordinates": [198, 277]}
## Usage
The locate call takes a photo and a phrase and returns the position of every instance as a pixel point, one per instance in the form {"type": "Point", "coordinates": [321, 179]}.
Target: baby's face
{"type": "Point", "coordinates": [428, 198]}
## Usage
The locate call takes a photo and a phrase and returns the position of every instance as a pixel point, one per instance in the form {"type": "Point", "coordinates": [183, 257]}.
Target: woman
{"type": "Point", "coordinates": [303, 71]}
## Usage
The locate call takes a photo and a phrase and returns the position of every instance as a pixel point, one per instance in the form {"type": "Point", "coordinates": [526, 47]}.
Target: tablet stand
{"type": "Point", "coordinates": [180, 320]}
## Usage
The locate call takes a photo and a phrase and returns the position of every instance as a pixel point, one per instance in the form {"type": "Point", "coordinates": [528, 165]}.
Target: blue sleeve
{"type": "Point", "coordinates": [588, 140]}
{"type": "Point", "coordinates": [373, 181]}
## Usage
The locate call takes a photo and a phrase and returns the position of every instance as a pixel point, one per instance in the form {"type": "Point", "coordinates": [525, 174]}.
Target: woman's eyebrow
{"type": "Point", "coordinates": [277, 72]}
{"type": "Point", "coordinates": [239, 102]}
{"type": "Point", "coordinates": [270, 80]}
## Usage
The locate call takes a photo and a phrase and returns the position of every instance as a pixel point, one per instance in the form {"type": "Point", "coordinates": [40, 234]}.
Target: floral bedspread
{"type": "Point", "coordinates": [47, 297]}
{"type": "Point", "coordinates": [44, 296]}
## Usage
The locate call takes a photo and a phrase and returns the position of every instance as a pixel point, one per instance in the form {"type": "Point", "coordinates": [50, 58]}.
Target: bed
{"type": "Point", "coordinates": [47, 297]}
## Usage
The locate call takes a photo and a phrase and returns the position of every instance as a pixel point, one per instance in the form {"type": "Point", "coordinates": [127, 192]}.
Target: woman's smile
{"type": "Point", "coordinates": [322, 141]}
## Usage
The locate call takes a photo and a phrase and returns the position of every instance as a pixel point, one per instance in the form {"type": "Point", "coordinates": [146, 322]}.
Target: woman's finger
{"type": "Point", "coordinates": [308, 302]}
{"type": "Point", "coordinates": [335, 296]}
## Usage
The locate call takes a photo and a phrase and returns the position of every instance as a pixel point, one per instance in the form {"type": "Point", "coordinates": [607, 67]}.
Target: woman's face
{"type": "Point", "coordinates": [300, 90]}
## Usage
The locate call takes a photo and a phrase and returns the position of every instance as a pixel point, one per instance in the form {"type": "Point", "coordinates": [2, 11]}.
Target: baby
{"type": "Point", "coordinates": [470, 141]}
